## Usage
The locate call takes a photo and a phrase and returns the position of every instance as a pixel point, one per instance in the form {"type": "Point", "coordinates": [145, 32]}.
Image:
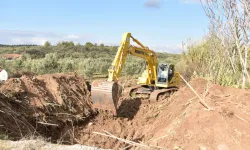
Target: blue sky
{"type": "Point", "coordinates": [159, 24]}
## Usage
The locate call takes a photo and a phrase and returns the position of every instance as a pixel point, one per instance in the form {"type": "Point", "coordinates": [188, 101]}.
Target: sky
{"type": "Point", "coordinates": [162, 25]}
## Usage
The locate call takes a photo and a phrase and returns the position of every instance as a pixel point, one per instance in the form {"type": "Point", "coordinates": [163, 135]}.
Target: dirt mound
{"type": "Point", "coordinates": [43, 104]}
{"type": "Point", "coordinates": [178, 122]}
{"type": "Point", "coordinates": [186, 123]}
{"type": "Point", "coordinates": [59, 106]}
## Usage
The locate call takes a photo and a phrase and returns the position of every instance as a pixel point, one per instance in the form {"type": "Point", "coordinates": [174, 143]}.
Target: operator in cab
{"type": "Point", "coordinates": [163, 72]}
{"type": "Point", "coordinates": [3, 75]}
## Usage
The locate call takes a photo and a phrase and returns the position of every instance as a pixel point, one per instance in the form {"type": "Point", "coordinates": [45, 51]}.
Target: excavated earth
{"type": "Point", "coordinates": [179, 122]}
{"type": "Point", "coordinates": [46, 105]}
{"type": "Point", "coordinates": [59, 107]}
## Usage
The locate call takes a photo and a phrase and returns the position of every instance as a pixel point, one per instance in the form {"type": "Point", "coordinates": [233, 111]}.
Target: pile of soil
{"type": "Point", "coordinates": [59, 106]}
{"type": "Point", "coordinates": [177, 122]}
{"type": "Point", "coordinates": [186, 123]}
{"type": "Point", "coordinates": [46, 105]}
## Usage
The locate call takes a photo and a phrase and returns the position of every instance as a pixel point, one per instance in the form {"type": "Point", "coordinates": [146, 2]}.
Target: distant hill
{"type": "Point", "coordinates": [19, 45]}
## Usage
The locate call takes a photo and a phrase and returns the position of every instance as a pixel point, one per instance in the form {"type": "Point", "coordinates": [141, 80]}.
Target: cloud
{"type": "Point", "coordinates": [73, 36]}
{"type": "Point", "coordinates": [33, 37]}
{"type": "Point", "coordinates": [153, 3]}
{"type": "Point", "coordinates": [13, 37]}
{"type": "Point", "coordinates": [175, 49]}
{"type": "Point", "coordinates": [190, 1]}
{"type": "Point", "coordinates": [159, 3]}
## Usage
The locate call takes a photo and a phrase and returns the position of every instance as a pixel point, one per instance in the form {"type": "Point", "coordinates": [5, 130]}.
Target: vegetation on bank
{"type": "Point", "coordinates": [89, 59]}
{"type": "Point", "coordinates": [223, 54]}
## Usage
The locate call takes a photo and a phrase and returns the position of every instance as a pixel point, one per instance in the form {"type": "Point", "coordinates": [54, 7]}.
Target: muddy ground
{"type": "Point", "coordinates": [177, 122]}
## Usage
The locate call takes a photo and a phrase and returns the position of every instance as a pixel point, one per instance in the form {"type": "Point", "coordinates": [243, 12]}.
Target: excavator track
{"type": "Point", "coordinates": [156, 94]}
{"type": "Point", "coordinates": [139, 92]}
{"type": "Point", "coordinates": [127, 91]}
{"type": "Point", "coordinates": [152, 95]}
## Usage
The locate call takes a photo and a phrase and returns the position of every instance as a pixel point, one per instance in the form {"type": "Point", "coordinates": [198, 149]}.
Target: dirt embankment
{"type": "Point", "coordinates": [178, 122]}
{"type": "Point", "coordinates": [44, 105]}
{"type": "Point", "coordinates": [58, 106]}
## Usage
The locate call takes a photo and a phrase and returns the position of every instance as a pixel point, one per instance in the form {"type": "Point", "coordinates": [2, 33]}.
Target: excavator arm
{"type": "Point", "coordinates": [105, 94]}
{"type": "Point", "coordinates": [120, 58]}
{"type": "Point", "coordinates": [122, 53]}
{"type": "Point", "coordinates": [151, 60]}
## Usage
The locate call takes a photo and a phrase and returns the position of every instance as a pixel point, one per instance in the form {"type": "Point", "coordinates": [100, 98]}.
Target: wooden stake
{"type": "Point", "coordinates": [201, 101]}
{"type": "Point", "coordinates": [48, 124]}
{"type": "Point", "coordinates": [241, 118]}
{"type": "Point", "coordinates": [123, 140]}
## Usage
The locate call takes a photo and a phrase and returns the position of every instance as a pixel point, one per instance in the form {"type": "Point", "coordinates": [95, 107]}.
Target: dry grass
{"type": "Point", "coordinates": [132, 144]}
{"type": "Point", "coordinates": [40, 144]}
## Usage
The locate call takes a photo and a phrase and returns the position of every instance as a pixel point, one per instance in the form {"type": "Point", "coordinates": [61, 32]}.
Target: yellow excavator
{"type": "Point", "coordinates": [157, 80]}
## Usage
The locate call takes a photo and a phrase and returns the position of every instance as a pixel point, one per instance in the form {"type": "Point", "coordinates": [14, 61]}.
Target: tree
{"type": "Point", "coordinates": [101, 45]}
{"type": "Point", "coordinates": [47, 44]}
{"type": "Point", "coordinates": [230, 23]}
{"type": "Point", "coordinates": [89, 44]}
{"type": "Point", "coordinates": [59, 43]}
{"type": "Point", "coordinates": [67, 44]}
{"type": "Point", "coordinates": [78, 45]}
{"type": "Point", "coordinates": [71, 44]}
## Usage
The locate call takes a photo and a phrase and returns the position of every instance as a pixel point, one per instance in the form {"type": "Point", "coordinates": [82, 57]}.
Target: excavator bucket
{"type": "Point", "coordinates": [105, 95]}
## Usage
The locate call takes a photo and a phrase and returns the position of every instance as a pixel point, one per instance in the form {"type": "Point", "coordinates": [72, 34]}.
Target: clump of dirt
{"type": "Point", "coordinates": [47, 105]}
{"type": "Point", "coordinates": [177, 122]}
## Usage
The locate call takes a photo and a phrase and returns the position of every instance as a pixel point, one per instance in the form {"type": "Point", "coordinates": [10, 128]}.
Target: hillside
{"type": "Point", "coordinates": [88, 60]}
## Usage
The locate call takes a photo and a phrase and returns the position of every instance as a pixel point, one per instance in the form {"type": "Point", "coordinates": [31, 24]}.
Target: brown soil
{"type": "Point", "coordinates": [43, 105]}
{"type": "Point", "coordinates": [177, 122]}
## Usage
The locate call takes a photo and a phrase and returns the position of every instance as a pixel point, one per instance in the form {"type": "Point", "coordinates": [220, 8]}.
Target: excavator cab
{"type": "Point", "coordinates": [165, 73]}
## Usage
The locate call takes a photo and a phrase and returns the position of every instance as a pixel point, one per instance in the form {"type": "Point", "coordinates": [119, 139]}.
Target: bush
{"type": "Point", "coordinates": [208, 59]}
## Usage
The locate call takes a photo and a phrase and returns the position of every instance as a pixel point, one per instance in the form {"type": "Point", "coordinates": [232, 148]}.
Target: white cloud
{"type": "Point", "coordinates": [32, 37]}
{"type": "Point", "coordinates": [159, 3]}
{"type": "Point", "coordinates": [153, 3]}
{"type": "Point", "coordinates": [176, 49]}
{"type": "Point", "coordinates": [39, 38]}
{"type": "Point", "coordinates": [190, 1]}
{"type": "Point", "coordinates": [73, 36]}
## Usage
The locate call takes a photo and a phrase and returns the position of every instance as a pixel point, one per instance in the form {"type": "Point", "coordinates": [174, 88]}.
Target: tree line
{"type": "Point", "coordinates": [89, 59]}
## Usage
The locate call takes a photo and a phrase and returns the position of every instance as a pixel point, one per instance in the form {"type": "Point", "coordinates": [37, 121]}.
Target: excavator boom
{"type": "Point", "coordinates": [105, 94]}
